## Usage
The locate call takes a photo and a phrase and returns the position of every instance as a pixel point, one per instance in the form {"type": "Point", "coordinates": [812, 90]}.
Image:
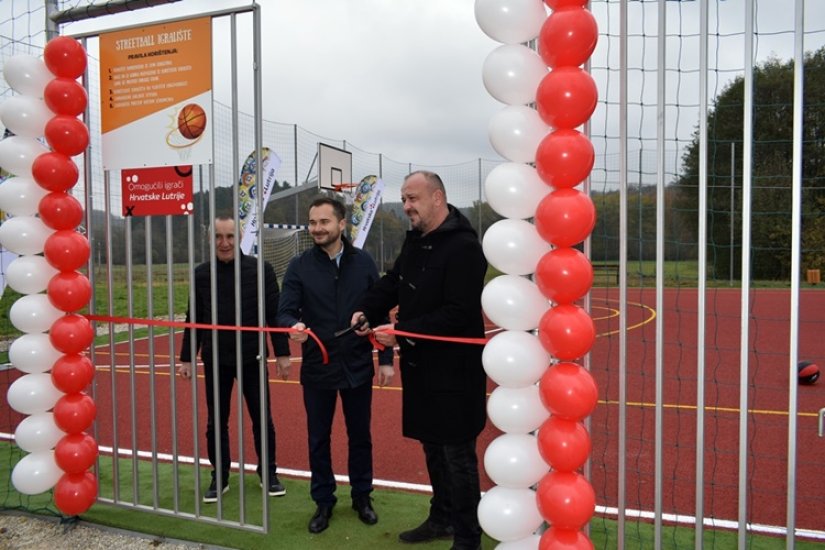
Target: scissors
{"type": "Point", "coordinates": [352, 328]}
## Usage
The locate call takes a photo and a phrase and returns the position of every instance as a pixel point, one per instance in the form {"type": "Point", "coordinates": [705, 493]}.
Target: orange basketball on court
{"type": "Point", "coordinates": [191, 121]}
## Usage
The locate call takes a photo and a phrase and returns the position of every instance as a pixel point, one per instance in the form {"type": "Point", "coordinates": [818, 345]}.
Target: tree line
{"type": "Point", "coordinates": [770, 194]}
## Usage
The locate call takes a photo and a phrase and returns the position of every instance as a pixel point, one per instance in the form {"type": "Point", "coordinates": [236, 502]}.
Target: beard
{"type": "Point", "coordinates": [415, 219]}
{"type": "Point", "coordinates": [326, 239]}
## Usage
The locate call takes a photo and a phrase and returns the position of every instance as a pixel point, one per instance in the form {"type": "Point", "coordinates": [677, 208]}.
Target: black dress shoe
{"type": "Point", "coordinates": [427, 531]}
{"type": "Point", "coordinates": [320, 520]}
{"type": "Point", "coordinates": [363, 506]}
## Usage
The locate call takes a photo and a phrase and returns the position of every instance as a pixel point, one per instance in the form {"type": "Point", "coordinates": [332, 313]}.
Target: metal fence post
{"type": "Point", "coordinates": [480, 228]}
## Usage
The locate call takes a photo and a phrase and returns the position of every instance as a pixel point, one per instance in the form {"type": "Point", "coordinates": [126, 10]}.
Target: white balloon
{"type": "Point", "coordinates": [514, 189]}
{"type": "Point", "coordinates": [509, 514]}
{"type": "Point", "coordinates": [513, 460]}
{"type": "Point", "coordinates": [513, 302]}
{"type": "Point", "coordinates": [514, 359]}
{"type": "Point", "coordinates": [33, 313]}
{"type": "Point", "coordinates": [20, 196]}
{"type": "Point", "coordinates": [29, 274]}
{"type": "Point", "coordinates": [514, 246]}
{"type": "Point", "coordinates": [27, 74]}
{"type": "Point", "coordinates": [24, 235]}
{"type": "Point", "coordinates": [512, 74]}
{"type": "Point", "coordinates": [33, 353]}
{"type": "Point", "coordinates": [33, 393]}
{"type": "Point", "coordinates": [510, 21]}
{"type": "Point", "coordinates": [17, 153]}
{"type": "Point", "coordinates": [516, 410]}
{"type": "Point", "coordinates": [516, 131]}
{"type": "Point", "coordinates": [527, 543]}
{"type": "Point", "coordinates": [38, 432]}
{"type": "Point", "coordinates": [36, 473]}
{"type": "Point", "coordinates": [25, 115]}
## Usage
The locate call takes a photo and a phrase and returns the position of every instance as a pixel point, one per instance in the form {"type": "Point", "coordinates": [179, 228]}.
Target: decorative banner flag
{"type": "Point", "coordinates": [367, 199]}
{"type": "Point", "coordinates": [247, 193]}
{"type": "Point", "coordinates": [156, 95]}
{"type": "Point", "coordinates": [161, 191]}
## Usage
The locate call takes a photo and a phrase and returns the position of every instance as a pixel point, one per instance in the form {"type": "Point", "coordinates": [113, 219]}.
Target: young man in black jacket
{"type": "Point", "coordinates": [436, 282]}
{"type": "Point", "coordinates": [225, 352]}
{"type": "Point", "coordinates": [322, 287]}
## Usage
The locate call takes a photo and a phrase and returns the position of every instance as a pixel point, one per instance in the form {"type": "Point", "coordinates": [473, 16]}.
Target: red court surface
{"type": "Point", "coordinates": [137, 391]}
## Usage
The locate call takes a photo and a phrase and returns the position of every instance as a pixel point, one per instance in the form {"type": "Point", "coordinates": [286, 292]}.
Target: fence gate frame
{"type": "Point", "coordinates": [54, 19]}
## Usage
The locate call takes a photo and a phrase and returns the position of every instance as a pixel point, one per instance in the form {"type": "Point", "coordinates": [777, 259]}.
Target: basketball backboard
{"type": "Point", "coordinates": [334, 167]}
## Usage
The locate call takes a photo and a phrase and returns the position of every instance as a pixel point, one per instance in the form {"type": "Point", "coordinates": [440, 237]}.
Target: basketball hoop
{"type": "Point", "coordinates": [346, 189]}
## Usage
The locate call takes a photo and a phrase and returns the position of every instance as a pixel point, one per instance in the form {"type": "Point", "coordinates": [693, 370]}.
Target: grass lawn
{"type": "Point", "coordinates": [289, 515]}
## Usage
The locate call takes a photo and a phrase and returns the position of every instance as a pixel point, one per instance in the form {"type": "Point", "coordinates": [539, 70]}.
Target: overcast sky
{"type": "Point", "coordinates": [403, 78]}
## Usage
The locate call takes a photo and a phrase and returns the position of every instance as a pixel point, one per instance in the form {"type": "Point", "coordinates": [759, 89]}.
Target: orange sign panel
{"type": "Point", "coordinates": [156, 94]}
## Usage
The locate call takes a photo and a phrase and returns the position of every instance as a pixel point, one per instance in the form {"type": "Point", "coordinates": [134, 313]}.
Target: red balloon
{"type": "Point", "coordinates": [564, 539]}
{"type": "Point", "coordinates": [564, 158]}
{"type": "Point", "coordinates": [568, 37]}
{"type": "Point", "coordinates": [71, 334]}
{"type": "Point", "coordinates": [72, 373]}
{"type": "Point", "coordinates": [564, 275]}
{"type": "Point", "coordinates": [75, 453]}
{"type": "Point", "coordinates": [75, 493]}
{"type": "Point", "coordinates": [69, 291]}
{"type": "Point", "coordinates": [567, 332]}
{"type": "Point", "coordinates": [565, 217]}
{"type": "Point", "coordinates": [54, 171]}
{"type": "Point", "coordinates": [65, 56]}
{"type": "Point", "coordinates": [66, 250]}
{"type": "Point", "coordinates": [59, 210]}
{"type": "Point", "coordinates": [67, 135]}
{"type": "Point", "coordinates": [564, 444]}
{"type": "Point", "coordinates": [74, 412]}
{"type": "Point", "coordinates": [65, 96]}
{"type": "Point", "coordinates": [566, 500]}
{"type": "Point", "coordinates": [566, 97]}
{"type": "Point", "coordinates": [568, 391]}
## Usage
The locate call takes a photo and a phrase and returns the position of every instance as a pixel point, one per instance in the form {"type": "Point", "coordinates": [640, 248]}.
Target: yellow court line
{"type": "Point", "coordinates": [126, 370]}
{"type": "Point", "coordinates": [640, 404]}
{"type": "Point", "coordinates": [708, 408]}
{"type": "Point", "coordinates": [613, 312]}
{"type": "Point", "coordinates": [631, 327]}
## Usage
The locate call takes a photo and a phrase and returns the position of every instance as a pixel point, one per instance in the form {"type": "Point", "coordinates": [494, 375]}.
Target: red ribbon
{"type": "Point", "coordinates": [177, 324]}
{"type": "Point", "coordinates": [453, 339]}
{"type": "Point", "coordinates": [379, 346]}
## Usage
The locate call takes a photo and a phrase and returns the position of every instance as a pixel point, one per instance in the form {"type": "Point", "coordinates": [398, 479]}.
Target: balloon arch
{"type": "Point", "coordinates": [539, 409]}
{"type": "Point", "coordinates": [545, 443]}
{"type": "Point", "coordinates": [46, 215]}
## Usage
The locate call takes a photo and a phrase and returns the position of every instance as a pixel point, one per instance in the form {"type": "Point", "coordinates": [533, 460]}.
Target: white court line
{"type": "Point", "coordinates": [420, 488]}
{"type": "Point", "coordinates": [127, 453]}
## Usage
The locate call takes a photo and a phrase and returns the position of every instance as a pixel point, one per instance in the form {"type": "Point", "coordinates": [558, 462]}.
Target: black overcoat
{"type": "Point", "coordinates": [437, 281]}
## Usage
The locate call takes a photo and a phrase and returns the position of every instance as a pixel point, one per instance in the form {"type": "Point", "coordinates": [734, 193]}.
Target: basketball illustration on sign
{"type": "Point", "coordinates": [191, 121]}
{"type": "Point", "coordinates": [187, 126]}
